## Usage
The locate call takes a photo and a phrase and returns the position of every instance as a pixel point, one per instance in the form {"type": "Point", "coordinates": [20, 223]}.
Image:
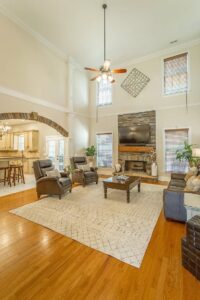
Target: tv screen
{"type": "Point", "coordinates": [134, 135]}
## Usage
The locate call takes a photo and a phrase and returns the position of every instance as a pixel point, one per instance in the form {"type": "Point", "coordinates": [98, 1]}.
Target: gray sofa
{"type": "Point", "coordinates": [173, 199]}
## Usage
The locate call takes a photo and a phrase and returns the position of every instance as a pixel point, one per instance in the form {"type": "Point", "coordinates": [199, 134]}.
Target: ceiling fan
{"type": "Point", "coordinates": [105, 72]}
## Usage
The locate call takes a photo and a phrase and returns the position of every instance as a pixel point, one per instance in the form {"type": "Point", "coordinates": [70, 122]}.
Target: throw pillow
{"type": "Point", "coordinates": [193, 184]}
{"type": "Point", "coordinates": [53, 173]}
{"type": "Point", "coordinates": [192, 172]}
{"type": "Point", "coordinates": [84, 168]}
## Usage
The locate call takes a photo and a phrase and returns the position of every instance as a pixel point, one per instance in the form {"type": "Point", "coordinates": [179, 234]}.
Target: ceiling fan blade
{"type": "Point", "coordinates": [119, 71]}
{"type": "Point", "coordinates": [94, 78]}
{"type": "Point", "coordinates": [92, 69]}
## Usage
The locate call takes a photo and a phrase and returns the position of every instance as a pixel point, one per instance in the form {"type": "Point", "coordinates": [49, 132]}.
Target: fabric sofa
{"type": "Point", "coordinates": [173, 198]}
{"type": "Point", "coordinates": [50, 185]}
{"type": "Point", "coordinates": [81, 176]}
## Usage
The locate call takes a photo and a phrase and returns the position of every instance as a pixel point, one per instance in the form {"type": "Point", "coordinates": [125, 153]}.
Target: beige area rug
{"type": "Point", "coordinates": [19, 187]}
{"type": "Point", "coordinates": [111, 225]}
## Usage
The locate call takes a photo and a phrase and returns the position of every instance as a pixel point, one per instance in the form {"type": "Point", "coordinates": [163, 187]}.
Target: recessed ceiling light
{"type": "Point", "coordinates": [173, 42]}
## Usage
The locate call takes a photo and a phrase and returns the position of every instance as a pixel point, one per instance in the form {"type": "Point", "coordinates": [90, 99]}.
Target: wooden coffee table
{"type": "Point", "coordinates": [114, 183]}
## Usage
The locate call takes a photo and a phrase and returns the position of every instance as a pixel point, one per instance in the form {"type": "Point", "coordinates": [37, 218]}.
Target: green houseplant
{"type": "Point", "coordinates": [185, 154]}
{"type": "Point", "coordinates": [90, 151]}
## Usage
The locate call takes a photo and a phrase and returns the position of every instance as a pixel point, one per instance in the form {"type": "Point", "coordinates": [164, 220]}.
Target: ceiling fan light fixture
{"type": "Point", "coordinates": [98, 78]}
{"type": "Point", "coordinates": [110, 78]}
{"type": "Point", "coordinates": [105, 71]}
{"type": "Point", "coordinates": [104, 76]}
{"type": "Point", "coordinates": [106, 64]}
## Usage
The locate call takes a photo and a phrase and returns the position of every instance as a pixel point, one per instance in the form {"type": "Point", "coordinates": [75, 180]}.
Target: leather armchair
{"type": "Point", "coordinates": [80, 176]}
{"type": "Point", "coordinates": [50, 185]}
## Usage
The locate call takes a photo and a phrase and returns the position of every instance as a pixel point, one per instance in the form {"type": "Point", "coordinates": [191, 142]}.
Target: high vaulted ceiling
{"type": "Point", "coordinates": [134, 27]}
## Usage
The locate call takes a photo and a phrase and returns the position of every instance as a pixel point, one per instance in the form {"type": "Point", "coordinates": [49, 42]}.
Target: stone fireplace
{"type": "Point", "coordinates": [137, 159]}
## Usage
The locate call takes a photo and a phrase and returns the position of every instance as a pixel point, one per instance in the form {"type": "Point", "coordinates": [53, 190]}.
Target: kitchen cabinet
{"type": "Point", "coordinates": [6, 143]}
{"type": "Point", "coordinates": [10, 141]}
{"type": "Point", "coordinates": [32, 140]}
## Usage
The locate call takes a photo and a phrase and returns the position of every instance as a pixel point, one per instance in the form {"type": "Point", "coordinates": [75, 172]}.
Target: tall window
{"type": "Point", "coordinates": [104, 93]}
{"type": "Point", "coordinates": [104, 149]}
{"type": "Point", "coordinates": [176, 74]}
{"type": "Point", "coordinates": [174, 140]}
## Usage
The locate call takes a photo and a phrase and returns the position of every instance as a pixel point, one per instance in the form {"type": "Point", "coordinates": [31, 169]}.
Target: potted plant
{"type": "Point", "coordinates": [90, 152]}
{"type": "Point", "coordinates": [185, 154]}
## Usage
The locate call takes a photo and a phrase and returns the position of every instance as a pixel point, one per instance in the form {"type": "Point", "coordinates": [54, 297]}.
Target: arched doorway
{"type": "Point", "coordinates": [34, 139]}
{"type": "Point", "coordinates": [33, 116]}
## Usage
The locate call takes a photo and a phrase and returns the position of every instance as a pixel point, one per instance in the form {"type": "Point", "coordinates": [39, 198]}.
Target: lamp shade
{"type": "Point", "coordinates": [196, 152]}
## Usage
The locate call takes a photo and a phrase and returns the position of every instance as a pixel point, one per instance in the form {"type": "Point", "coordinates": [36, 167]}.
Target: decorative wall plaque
{"type": "Point", "coordinates": [135, 82]}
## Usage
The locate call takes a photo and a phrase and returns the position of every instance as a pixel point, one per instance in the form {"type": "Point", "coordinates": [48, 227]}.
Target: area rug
{"type": "Point", "coordinates": [112, 226]}
{"type": "Point", "coordinates": [19, 187]}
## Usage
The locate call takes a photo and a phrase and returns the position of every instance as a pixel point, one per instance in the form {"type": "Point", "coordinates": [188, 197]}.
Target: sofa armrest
{"type": "Point", "coordinates": [178, 176]}
{"type": "Point", "coordinates": [173, 205]}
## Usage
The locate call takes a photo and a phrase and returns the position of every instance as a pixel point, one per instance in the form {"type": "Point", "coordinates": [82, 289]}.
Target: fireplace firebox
{"type": "Point", "coordinates": [133, 165]}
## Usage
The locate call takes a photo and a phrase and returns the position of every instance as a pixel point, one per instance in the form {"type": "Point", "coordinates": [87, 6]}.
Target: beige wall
{"type": "Point", "coordinates": [29, 67]}
{"type": "Point", "coordinates": [33, 78]}
{"type": "Point", "coordinates": [79, 109]}
{"type": "Point", "coordinates": [170, 110]}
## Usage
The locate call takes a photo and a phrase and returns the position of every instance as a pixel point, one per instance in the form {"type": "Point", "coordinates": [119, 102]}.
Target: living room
{"type": "Point", "coordinates": [113, 91]}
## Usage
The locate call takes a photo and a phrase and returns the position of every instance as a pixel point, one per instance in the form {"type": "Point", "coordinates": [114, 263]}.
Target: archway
{"type": "Point", "coordinates": [33, 116]}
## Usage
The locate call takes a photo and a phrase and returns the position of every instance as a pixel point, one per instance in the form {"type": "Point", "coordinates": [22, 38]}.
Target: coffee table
{"type": "Point", "coordinates": [114, 183]}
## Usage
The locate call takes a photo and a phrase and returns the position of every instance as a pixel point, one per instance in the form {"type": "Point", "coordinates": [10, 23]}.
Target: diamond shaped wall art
{"type": "Point", "coordinates": [135, 82]}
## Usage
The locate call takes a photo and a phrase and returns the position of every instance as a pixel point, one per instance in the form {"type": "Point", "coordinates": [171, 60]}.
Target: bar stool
{"type": "Point", "coordinates": [5, 175]}
{"type": "Point", "coordinates": [16, 172]}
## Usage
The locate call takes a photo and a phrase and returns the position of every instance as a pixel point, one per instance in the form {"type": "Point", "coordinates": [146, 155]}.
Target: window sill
{"type": "Point", "coordinates": [175, 94]}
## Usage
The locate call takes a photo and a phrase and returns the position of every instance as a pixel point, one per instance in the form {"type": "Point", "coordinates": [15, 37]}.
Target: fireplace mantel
{"type": "Point", "coordinates": [138, 149]}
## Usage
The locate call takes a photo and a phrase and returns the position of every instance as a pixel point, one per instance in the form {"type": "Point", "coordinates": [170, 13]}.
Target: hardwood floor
{"type": "Point", "coordinates": [37, 263]}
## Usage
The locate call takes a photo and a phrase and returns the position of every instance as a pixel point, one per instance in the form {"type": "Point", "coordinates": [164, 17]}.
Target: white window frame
{"type": "Point", "coordinates": [188, 75]}
{"type": "Point", "coordinates": [97, 97]}
{"type": "Point", "coordinates": [164, 148]}
{"type": "Point", "coordinates": [16, 141]}
{"type": "Point", "coordinates": [101, 133]}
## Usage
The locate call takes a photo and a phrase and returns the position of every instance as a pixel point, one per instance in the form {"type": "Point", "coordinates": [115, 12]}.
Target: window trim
{"type": "Point", "coordinates": [103, 105]}
{"type": "Point", "coordinates": [164, 148]}
{"type": "Point", "coordinates": [188, 74]}
{"type": "Point", "coordinates": [101, 133]}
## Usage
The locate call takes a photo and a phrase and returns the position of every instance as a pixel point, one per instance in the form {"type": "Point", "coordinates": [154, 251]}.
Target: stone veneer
{"type": "Point", "coordinates": [126, 120]}
{"type": "Point", "coordinates": [34, 117]}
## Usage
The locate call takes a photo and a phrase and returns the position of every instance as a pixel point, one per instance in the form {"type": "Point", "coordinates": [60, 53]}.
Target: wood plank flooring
{"type": "Point", "coordinates": [37, 263]}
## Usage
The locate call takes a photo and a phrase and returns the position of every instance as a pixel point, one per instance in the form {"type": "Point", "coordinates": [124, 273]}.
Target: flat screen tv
{"type": "Point", "coordinates": [134, 135]}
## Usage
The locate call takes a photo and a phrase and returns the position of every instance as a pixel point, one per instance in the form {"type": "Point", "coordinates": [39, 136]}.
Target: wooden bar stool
{"type": "Point", "coordinates": [5, 175]}
{"type": "Point", "coordinates": [16, 173]}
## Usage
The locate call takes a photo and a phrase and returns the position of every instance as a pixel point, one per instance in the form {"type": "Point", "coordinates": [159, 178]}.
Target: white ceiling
{"type": "Point", "coordinates": [134, 27]}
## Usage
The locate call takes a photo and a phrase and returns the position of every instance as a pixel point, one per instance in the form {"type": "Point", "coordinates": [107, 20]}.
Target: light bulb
{"type": "Point", "coordinates": [110, 78]}
{"type": "Point", "coordinates": [106, 64]}
{"type": "Point", "coordinates": [98, 78]}
{"type": "Point", "coordinates": [104, 76]}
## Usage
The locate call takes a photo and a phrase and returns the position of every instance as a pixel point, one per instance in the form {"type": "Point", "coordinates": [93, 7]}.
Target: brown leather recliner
{"type": "Point", "coordinates": [50, 185]}
{"type": "Point", "coordinates": [80, 176]}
